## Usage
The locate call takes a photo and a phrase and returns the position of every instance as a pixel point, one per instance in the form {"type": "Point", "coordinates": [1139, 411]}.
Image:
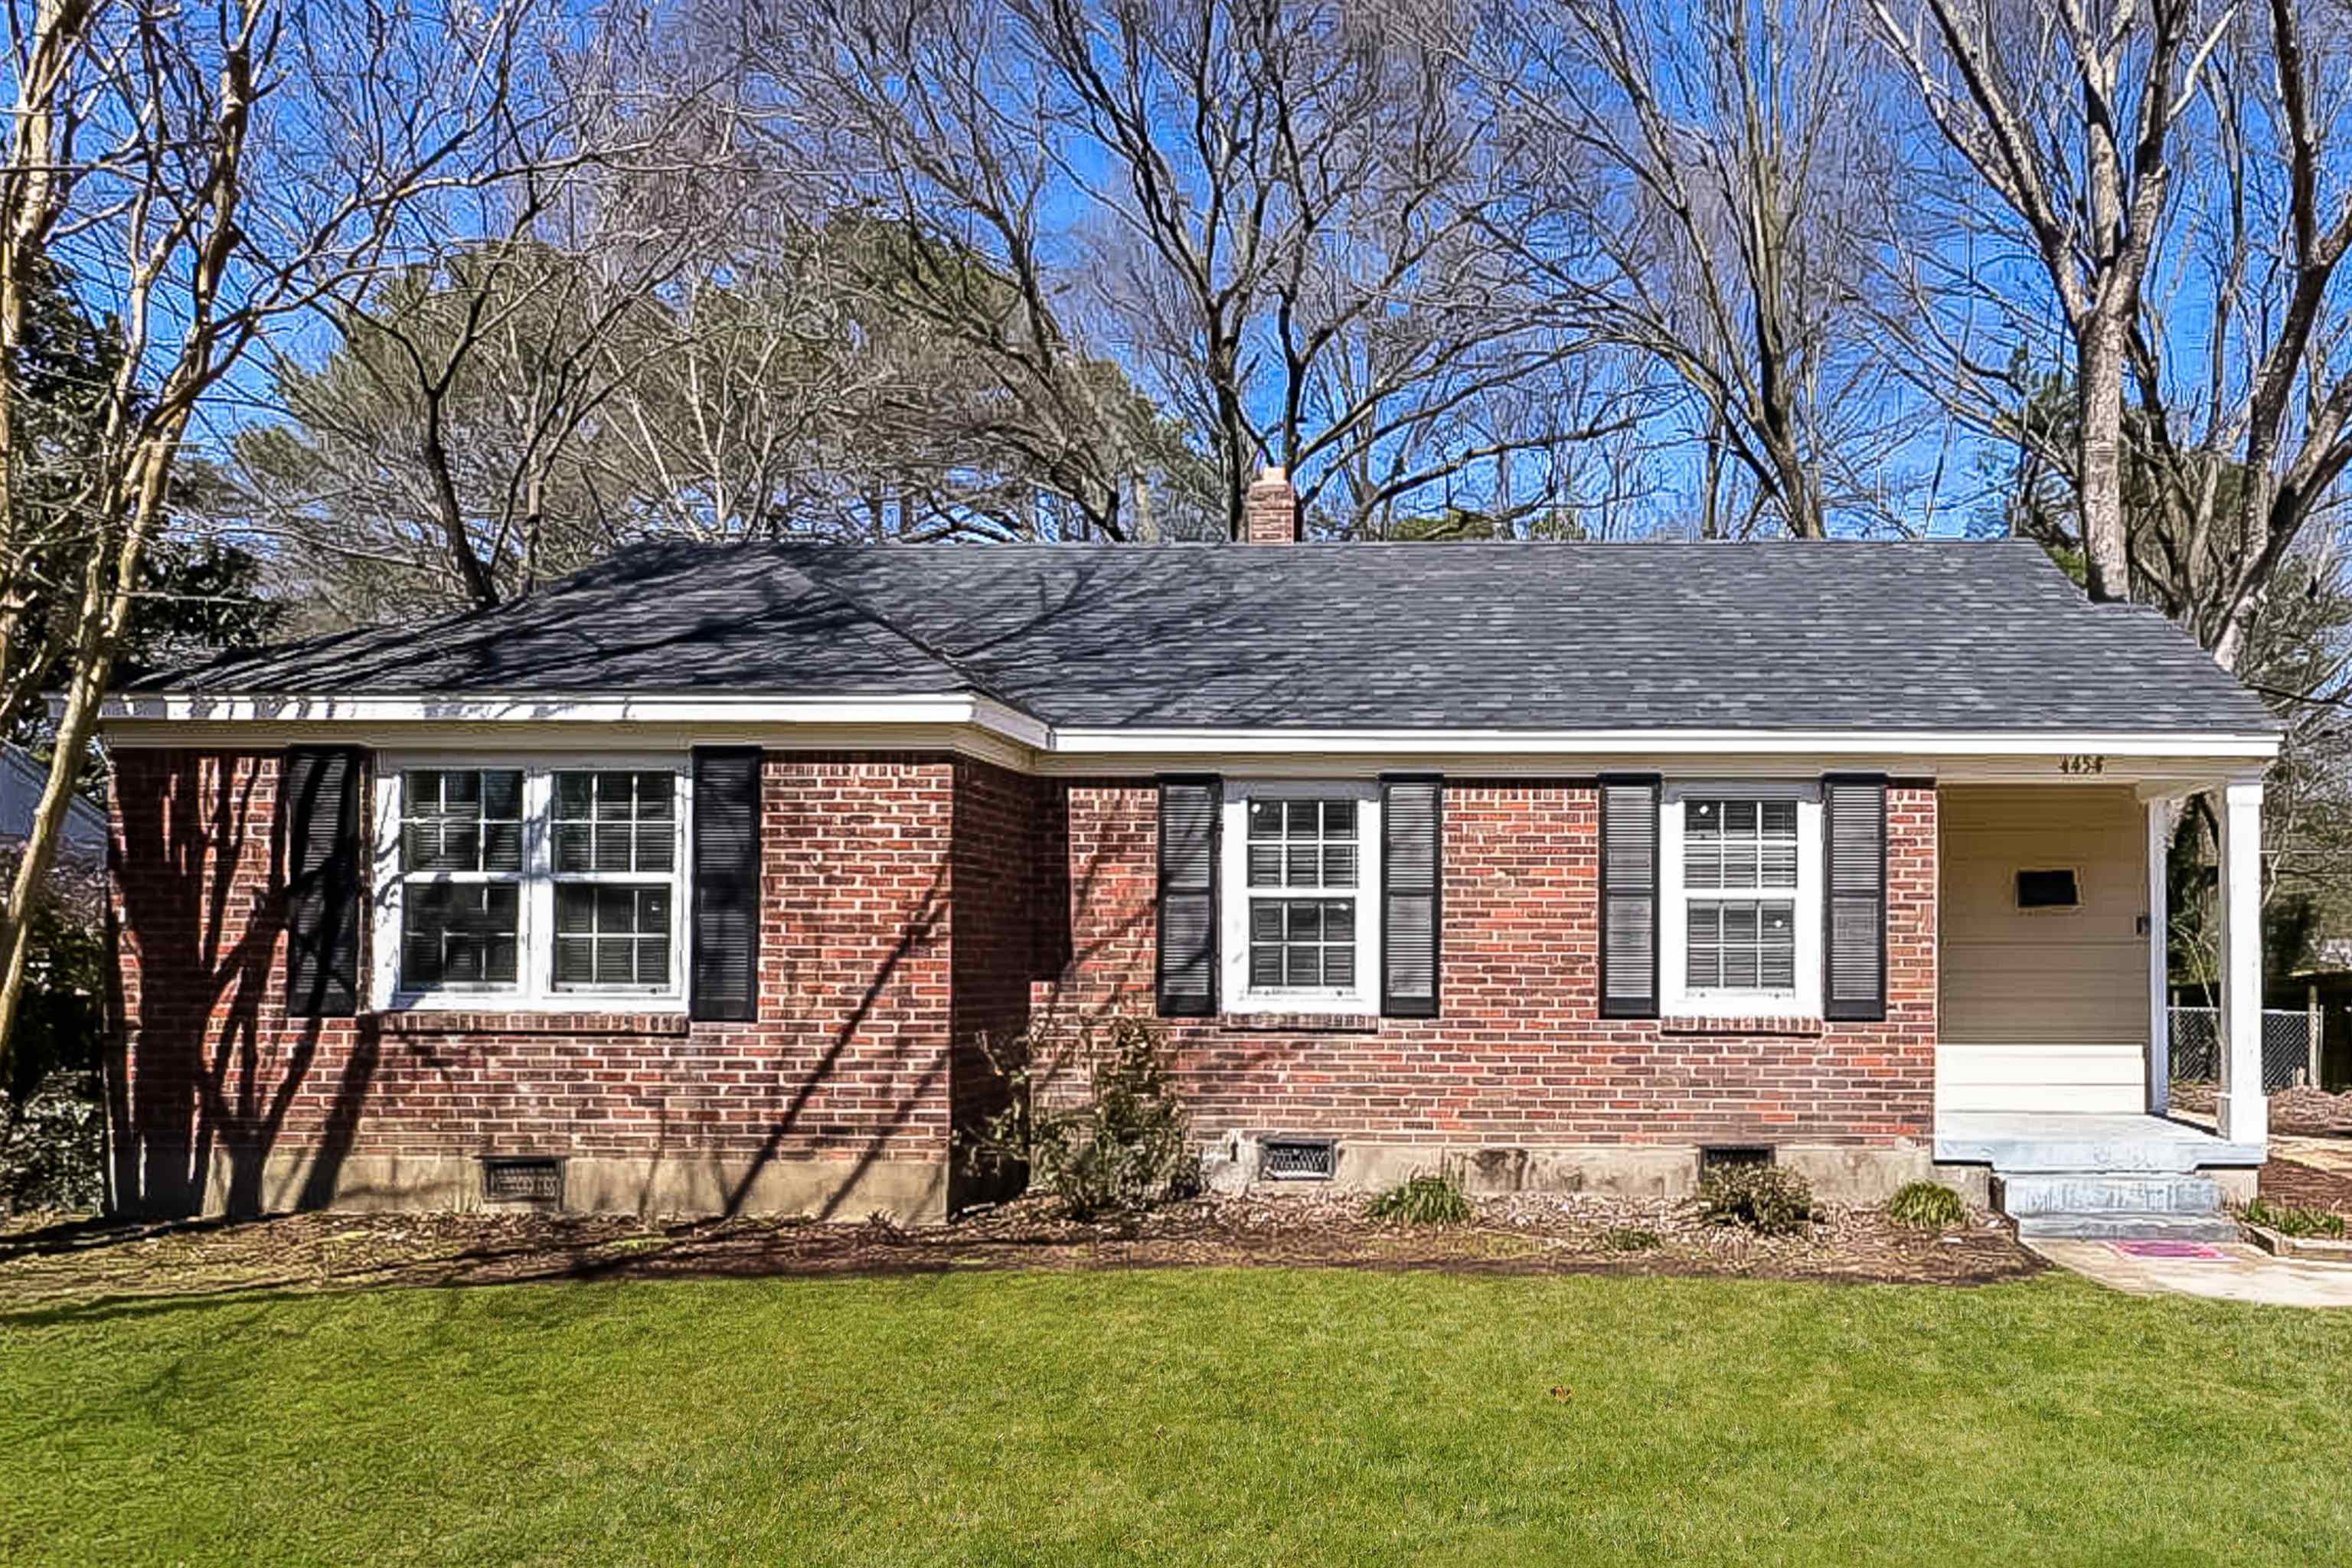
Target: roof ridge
{"type": "Point", "coordinates": [1138, 547]}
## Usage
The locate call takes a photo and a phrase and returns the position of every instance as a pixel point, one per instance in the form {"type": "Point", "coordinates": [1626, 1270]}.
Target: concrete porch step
{"type": "Point", "coordinates": [2114, 1224]}
{"type": "Point", "coordinates": [2104, 1192]}
{"type": "Point", "coordinates": [2027, 1143]}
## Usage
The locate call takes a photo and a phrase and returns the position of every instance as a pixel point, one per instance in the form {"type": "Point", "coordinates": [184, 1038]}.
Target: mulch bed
{"type": "Point", "coordinates": [2292, 1184]}
{"type": "Point", "coordinates": [2295, 1112]}
{"type": "Point", "coordinates": [43, 1264]}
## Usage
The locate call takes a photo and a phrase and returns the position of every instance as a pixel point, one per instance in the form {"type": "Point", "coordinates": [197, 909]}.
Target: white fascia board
{"type": "Point", "coordinates": [577, 708]}
{"type": "Point", "coordinates": [1662, 744]}
{"type": "Point", "coordinates": [152, 718]}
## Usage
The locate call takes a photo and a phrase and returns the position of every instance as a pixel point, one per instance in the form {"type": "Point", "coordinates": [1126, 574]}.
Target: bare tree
{"type": "Point", "coordinates": [912, 133]}
{"type": "Point", "coordinates": [721, 429]}
{"type": "Point", "coordinates": [444, 436]}
{"type": "Point", "coordinates": [2242, 360]}
{"type": "Point", "coordinates": [201, 174]}
{"type": "Point", "coordinates": [1272, 215]}
{"type": "Point", "coordinates": [1705, 190]}
{"type": "Point", "coordinates": [2068, 113]}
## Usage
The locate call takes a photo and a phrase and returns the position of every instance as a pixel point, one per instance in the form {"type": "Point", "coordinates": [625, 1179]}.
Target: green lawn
{"type": "Point", "coordinates": [1245, 1416]}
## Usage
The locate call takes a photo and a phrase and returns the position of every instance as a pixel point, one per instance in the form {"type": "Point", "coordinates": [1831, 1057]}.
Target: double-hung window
{"type": "Point", "coordinates": [461, 879]}
{"type": "Point", "coordinates": [1741, 917]}
{"type": "Point", "coordinates": [549, 884]}
{"type": "Point", "coordinates": [1300, 896]}
{"type": "Point", "coordinates": [615, 870]}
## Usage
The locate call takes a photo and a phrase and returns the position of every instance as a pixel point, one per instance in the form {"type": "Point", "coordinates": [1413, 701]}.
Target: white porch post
{"type": "Point", "coordinates": [2159, 974]}
{"type": "Point", "coordinates": [2244, 1113]}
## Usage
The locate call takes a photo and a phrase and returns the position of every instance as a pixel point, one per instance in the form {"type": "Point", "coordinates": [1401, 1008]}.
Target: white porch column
{"type": "Point", "coordinates": [2245, 1114]}
{"type": "Point", "coordinates": [2159, 974]}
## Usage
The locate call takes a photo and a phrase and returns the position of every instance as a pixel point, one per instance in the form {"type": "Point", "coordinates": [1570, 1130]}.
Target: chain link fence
{"type": "Point", "coordinates": [2197, 1045]}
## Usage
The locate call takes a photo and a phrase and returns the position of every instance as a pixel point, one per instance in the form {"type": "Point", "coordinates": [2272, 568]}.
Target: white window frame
{"type": "Point", "coordinates": [1233, 896]}
{"type": "Point", "coordinates": [1677, 998]}
{"type": "Point", "coordinates": [534, 989]}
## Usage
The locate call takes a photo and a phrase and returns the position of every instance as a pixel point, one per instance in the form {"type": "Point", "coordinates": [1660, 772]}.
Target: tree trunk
{"type": "Point", "coordinates": [476, 577]}
{"type": "Point", "coordinates": [2099, 488]}
{"type": "Point", "coordinates": [106, 593]}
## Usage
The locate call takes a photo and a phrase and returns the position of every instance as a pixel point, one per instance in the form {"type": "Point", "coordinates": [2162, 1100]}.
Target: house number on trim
{"type": "Point", "coordinates": [2083, 764]}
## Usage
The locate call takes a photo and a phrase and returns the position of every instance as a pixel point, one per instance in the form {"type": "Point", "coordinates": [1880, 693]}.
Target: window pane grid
{"type": "Point", "coordinates": [1301, 942]}
{"type": "Point", "coordinates": [459, 935]}
{"type": "Point", "coordinates": [1747, 944]}
{"type": "Point", "coordinates": [614, 821]}
{"type": "Point", "coordinates": [1735, 846]}
{"type": "Point", "coordinates": [461, 820]}
{"type": "Point", "coordinates": [1302, 843]}
{"type": "Point", "coordinates": [610, 937]}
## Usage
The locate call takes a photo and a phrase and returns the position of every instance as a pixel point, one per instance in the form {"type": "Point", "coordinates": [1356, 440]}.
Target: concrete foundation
{"type": "Point", "coordinates": [2237, 1182]}
{"type": "Point", "coordinates": [907, 1191]}
{"type": "Point", "coordinates": [1838, 1173]}
{"type": "Point", "coordinates": [1973, 1183]}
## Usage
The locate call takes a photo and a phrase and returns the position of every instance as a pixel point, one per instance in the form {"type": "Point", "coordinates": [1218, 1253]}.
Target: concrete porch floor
{"type": "Point", "coordinates": [2054, 1140]}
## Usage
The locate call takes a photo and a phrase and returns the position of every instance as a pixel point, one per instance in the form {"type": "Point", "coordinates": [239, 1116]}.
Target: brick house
{"type": "Point", "coordinates": [703, 881]}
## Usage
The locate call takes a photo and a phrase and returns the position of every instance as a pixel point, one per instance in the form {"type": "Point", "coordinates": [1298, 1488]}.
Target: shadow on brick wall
{"type": "Point", "coordinates": [915, 931]}
{"type": "Point", "coordinates": [199, 1096]}
{"type": "Point", "coordinates": [214, 1081]}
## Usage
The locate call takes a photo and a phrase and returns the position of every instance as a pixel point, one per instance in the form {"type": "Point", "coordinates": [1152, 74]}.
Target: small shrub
{"type": "Point", "coordinates": [1423, 1200]}
{"type": "Point", "coordinates": [1927, 1205]}
{"type": "Point", "coordinates": [52, 1118]}
{"type": "Point", "coordinates": [1118, 1147]}
{"type": "Point", "coordinates": [52, 1147]}
{"type": "Point", "coordinates": [1771, 1200]}
{"type": "Point", "coordinates": [2293, 1221]}
{"type": "Point", "coordinates": [1631, 1239]}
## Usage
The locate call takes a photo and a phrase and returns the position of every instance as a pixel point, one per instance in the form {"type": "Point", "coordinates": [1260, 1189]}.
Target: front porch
{"type": "Point", "coordinates": [2087, 1174]}
{"type": "Point", "coordinates": [2061, 1141]}
{"type": "Point", "coordinates": [2052, 1062]}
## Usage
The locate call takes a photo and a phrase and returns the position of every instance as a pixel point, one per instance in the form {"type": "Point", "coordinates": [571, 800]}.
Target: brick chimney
{"type": "Point", "coordinates": [1270, 510]}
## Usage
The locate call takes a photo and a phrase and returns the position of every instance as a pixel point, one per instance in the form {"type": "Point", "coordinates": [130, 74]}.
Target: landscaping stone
{"type": "Point", "coordinates": [2311, 1248]}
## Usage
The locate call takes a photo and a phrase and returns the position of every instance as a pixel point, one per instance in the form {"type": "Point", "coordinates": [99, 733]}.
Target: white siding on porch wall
{"type": "Point", "coordinates": [2104, 1080]}
{"type": "Point", "coordinates": [2043, 1010]}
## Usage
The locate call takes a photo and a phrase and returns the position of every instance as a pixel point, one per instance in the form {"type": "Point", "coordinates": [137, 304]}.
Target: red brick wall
{"type": "Point", "coordinates": [1521, 1055]}
{"type": "Point", "coordinates": [997, 900]}
{"type": "Point", "coordinates": [849, 1059]}
{"type": "Point", "coordinates": [911, 899]}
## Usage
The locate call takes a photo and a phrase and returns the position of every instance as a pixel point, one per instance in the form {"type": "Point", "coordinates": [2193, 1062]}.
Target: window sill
{"type": "Point", "coordinates": [1740, 1024]}
{"type": "Point", "coordinates": [493, 1021]}
{"type": "Point", "coordinates": [1272, 1022]}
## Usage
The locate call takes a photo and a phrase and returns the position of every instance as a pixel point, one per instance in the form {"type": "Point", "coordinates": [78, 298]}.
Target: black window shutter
{"type": "Point", "coordinates": [319, 790]}
{"type": "Point", "coordinates": [1854, 949]}
{"type": "Point", "coordinates": [726, 884]}
{"type": "Point", "coordinates": [1413, 811]}
{"type": "Point", "coordinates": [1629, 897]}
{"type": "Point", "coordinates": [1189, 810]}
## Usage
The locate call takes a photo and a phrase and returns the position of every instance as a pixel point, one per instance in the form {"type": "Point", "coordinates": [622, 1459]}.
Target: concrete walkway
{"type": "Point", "coordinates": [2221, 1271]}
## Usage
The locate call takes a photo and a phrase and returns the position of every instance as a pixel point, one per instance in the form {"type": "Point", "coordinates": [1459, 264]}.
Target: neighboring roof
{"type": "Point", "coordinates": [23, 778]}
{"type": "Point", "coordinates": [1782, 634]}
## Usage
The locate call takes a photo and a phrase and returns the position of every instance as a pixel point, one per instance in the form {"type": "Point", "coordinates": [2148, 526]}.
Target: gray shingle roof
{"type": "Point", "coordinates": [1892, 634]}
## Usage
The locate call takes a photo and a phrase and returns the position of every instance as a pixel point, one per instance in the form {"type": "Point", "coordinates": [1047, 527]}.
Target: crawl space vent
{"type": "Point", "coordinates": [1719, 1156]}
{"type": "Point", "coordinates": [523, 1179]}
{"type": "Point", "coordinates": [1299, 1159]}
